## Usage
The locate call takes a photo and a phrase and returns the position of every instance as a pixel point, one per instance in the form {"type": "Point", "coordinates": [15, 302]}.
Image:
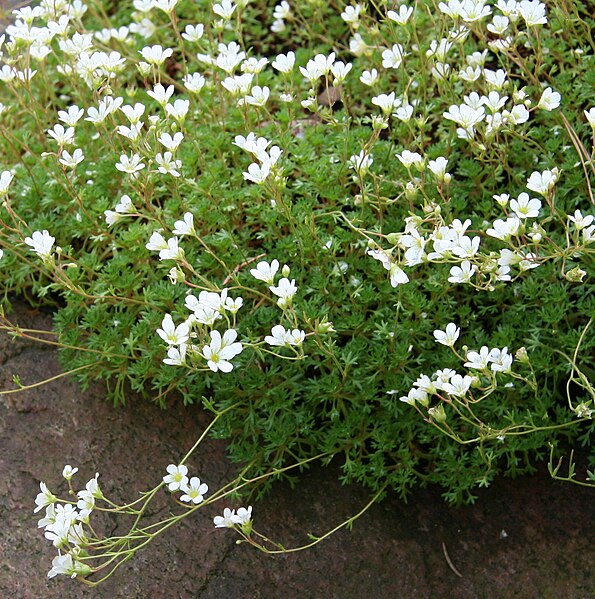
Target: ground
{"type": "Point", "coordinates": [527, 538]}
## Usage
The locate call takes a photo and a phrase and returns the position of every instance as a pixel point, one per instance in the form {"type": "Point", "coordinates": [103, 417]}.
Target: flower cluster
{"type": "Point", "coordinates": [64, 525]}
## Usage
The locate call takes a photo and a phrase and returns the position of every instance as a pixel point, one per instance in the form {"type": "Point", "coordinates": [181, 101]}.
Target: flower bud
{"type": "Point", "coordinates": [325, 327]}
{"type": "Point", "coordinates": [438, 413]}
{"type": "Point", "coordinates": [521, 355]}
{"type": "Point", "coordinates": [144, 68]}
{"type": "Point", "coordinates": [379, 123]}
{"type": "Point", "coordinates": [410, 191]}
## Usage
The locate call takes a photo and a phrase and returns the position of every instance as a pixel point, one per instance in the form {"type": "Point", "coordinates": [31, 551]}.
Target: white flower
{"type": "Point", "coordinates": [176, 356]}
{"type": "Point", "coordinates": [543, 182]}
{"type": "Point", "coordinates": [458, 385]}
{"type": "Point", "coordinates": [397, 275]}
{"type": "Point", "coordinates": [130, 165]}
{"type": "Point", "coordinates": [550, 100]}
{"type": "Point", "coordinates": [71, 160]}
{"type": "Point", "coordinates": [62, 136]}
{"type": "Point", "coordinates": [156, 54]}
{"type": "Point", "coordinates": [106, 107]}
{"type": "Point", "coordinates": [409, 159]}
{"type": "Point", "coordinates": [133, 113]}
{"type": "Point", "coordinates": [258, 96]}
{"type": "Point", "coordinates": [171, 143]}
{"type": "Point", "coordinates": [160, 94]}
{"type": "Point", "coordinates": [224, 10]}
{"type": "Point", "coordinates": [526, 207]}
{"type": "Point", "coordinates": [193, 33]}
{"type": "Point", "coordinates": [133, 132]}
{"type": "Point", "coordinates": [474, 10]}
{"type": "Point", "coordinates": [167, 165]}
{"type": "Point", "coordinates": [590, 114]}
{"type": "Point", "coordinates": [71, 115]}
{"type": "Point", "coordinates": [284, 338]}
{"type": "Point", "coordinates": [501, 360]}
{"type": "Point", "coordinates": [438, 167]}
{"type": "Point", "coordinates": [463, 273]}
{"type": "Point", "coordinates": [257, 173]}
{"type": "Point", "coordinates": [156, 242]}
{"type": "Point", "coordinates": [254, 65]}
{"type": "Point", "coordinates": [165, 5]}
{"type": "Point", "coordinates": [243, 515]}
{"type": "Point", "coordinates": [386, 102]}
{"type": "Point", "coordinates": [580, 221]}
{"type": "Point", "coordinates": [401, 17]}
{"type": "Point", "coordinates": [194, 82]}
{"type": "Point", "coordinates": [393, 57]}
{"type": "Point", "coordinates": [282, 10]}
{"type": "Point", "coordinates": [285, 290]}
{"type": "Point", "coordinates": [176, 477]}
{"type": "Point", "coordinates": [185, 226]}
{"type": "Point", "coordinates": [499, 25]}
{"type": "Point", "coordinates": [284, 63]}
{"type": "Point", "coordinates": [360, 163]}
{"type": "Point", "coordinates": [178, 110]}
{"type": "Point", "coordinates": [448, 336]}
{"type": "Point", "coordinates": [532, 12]}
{"type": "Point", "coordinates": [68, 471]}
{"type": "Point", "coordinates": [6, 178]}
{"type": "Point", "coordinates": [340, 70]}
{"type": "Point", "coordinates": [317, 67]}
{"type": "Point", "coordinates": [518, 115]}
{"type": "Point", "coordinates": [265, 272]}
{"type": "Point", "coordinates": [370, 77]}
{"type": "Point", "coordinates": [415, 395]}
{"type": "Point", "coordinates": [194, 492]}
{"type": "Point", "coordinates": [504, 229]}
{"type": "Point", "coordinates": [41, 243]}
{"type": "Point", "coordinates": [173, 250]}
{"type": "Point", "coordinates": [221, 350]}
{"type": "Point", "coordinates": [465, 116]}
{"type": "Point", "coordinates": [351, 15]}
{"type": "Point", "coordinates": [478, 360]}
{"type": "Point", "coordinates": [171, 334]}
{"type": "Point", "coordinates": [45, 497]}
{"type": "Point", "coordinates": [225, 521]}
{"type": "Point", "coordinates": [404, 113]}
{"type": "Point", "coordinates": [67, 565]}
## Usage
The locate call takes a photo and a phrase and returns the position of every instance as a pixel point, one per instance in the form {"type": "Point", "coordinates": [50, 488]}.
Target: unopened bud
{"type": "Point", "coordinates": [521, 355]}
{"type": "Point", "coordinates": [438, 413]}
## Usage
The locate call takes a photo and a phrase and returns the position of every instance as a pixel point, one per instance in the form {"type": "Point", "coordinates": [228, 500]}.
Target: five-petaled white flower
{"type": "Point", "coordinates": [41, 243]}
{"type": "Point", "coordinates": [130, 165]}
{"type": "Point", "coordinates": [265, 272]}
{"type": "Point", "coordinates": [542, 183]}
{"type": "Point", "coordinates": [225, 521]}
{"type": "Point", "coordinates": [172, 334]}
{"type": "Point", "coordinates": [5, 181]}
{"type": "Point", "coordinates": [448, 336]}
{"type": "Point", "coordinates": [45, 497]}
{"type": "Point", "coordinates": [284, 338]}
{"type": "Point", "coordinates": [194, 491]}
{"type": "Point", "coordinates": [285, 290]}
{"type": "Point", "coordinates": [176, 477]}
{"type": "Point", "coordinates": [221, 350]}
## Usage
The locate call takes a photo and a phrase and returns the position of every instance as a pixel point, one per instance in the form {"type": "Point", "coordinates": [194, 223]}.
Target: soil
{"type": "Point", "coordinates": [525, 538]}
